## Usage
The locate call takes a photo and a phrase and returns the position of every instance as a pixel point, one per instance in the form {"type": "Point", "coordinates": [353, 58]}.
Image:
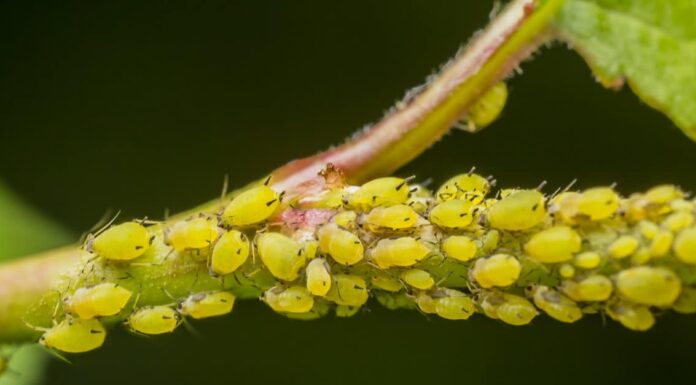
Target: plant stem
{"type": "Point", "coordinates": [412, 127]}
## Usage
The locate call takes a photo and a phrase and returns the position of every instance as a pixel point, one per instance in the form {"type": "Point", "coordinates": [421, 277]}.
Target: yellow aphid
{"type": "Point", "coordinates": [251, 207]}
{"type": "Point", "coordinates": [623, 246]}
{"type": "Point", "coordinates": [104, 299]}
{"type": "Point", "coordinates": [74, 335]}
{"type": "Point", "coordinates": [521, 210]}
{"type": "Point", "coordinates": [293, 299]}
{"type": "Point", "coordinates": [678, 221]}
{"type": "Point", "coordinates": [318, 277]}
{"type": "Point", "coordinates": [207, 304]}
{"type": "Point", "coordinates": [404, 251]}
{"type": "Point", "coordinates": [556, 305]}
{"type": "Point", "coordinates": [344, 311]}
{"type": "Point", "coordinates": [387, 283]}
{"type": "Point", "coordinates": [641, 256]}
{"type": "Point", "coordinates": [348, 290]}
{"type": "Point", "coordinates": [566, 270]}
{"type": "Point", "coordinates": [469, 187]}
{"type": "Point", "coordinates": [565, 206]}
{"type": "Point", "coordinates": [553, 245]}
{"type": "Point", "coordinates": [460, 247]}
{"type": "Point", "coordinates": [587, 260]}
{"type": "Point", "coordinates": [593, 288]}
{"type": "Point", "coordinates": [327, 199]}
{"type": "Point", "coordinates": [663, 194]}
{"type": "Point", "coordinates": [598, 203]}
{"type": "Point", "coordinates": [417, 278]}
{"type": "Point", "coordinates": [426, 303]}
{"type": "Point", "coordinates": [122, 242]}
{"type": "Point", "coordinates": [380, 192]}
{"type": "Point", "coordinates": [153, 320]}
{"type": "Point", "coordinates": [648, 229]}
{"type": "Point", "coordinates": [452, 214]}
{"type": "Point", "coordinates": [661, 243]}
{"type": "Point", "coordinates": [346, 219]}
{"type": "Point", "coordinates": [420, 199]}
{"type": "Point", "coordinates": [193, 234]}
{"type": "Point", "coordinates": [487, 108]}
{"type": "Point", "coordinates": [454, 305]}
{"type": "Point", "coordinates": [342, 245]}
{"type": "Point", "coordinates": [685, 246]}
{"type": "Point", "coordinates": [634, 317]}
{"type": "Point", "coordinates": [509, 308]}
{"type": "Point", "coordinates": [230, 252]}
{"type": "Point", "coordinates": [646, 285]}
{"type": "Point", "coordinates": [397, 217]}
{"type": "Point", "coordinates": [686, 302]}
{"type": "Point", "coordinates": [281, 254]}
{"type": "Point", "coordinates": [681, 205]}
{"type": "Point", "coordinates": [497, 270]}
{"type": "Point", "coordinates": [490, 241]}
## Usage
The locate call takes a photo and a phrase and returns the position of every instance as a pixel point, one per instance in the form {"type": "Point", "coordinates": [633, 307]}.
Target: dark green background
{"type": "Point", "coordinates": [142, 106]}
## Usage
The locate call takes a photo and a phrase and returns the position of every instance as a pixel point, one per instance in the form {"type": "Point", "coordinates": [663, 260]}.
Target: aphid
{"type": "Point", "coordinates": [648, 229]}
{"type": "Point", "coordinates": [565, 206]}
{"type": "Point", "coordinates": [678, 221]}
{"type": "Point", "coordinates": [251, 206]}
{"type": "Point", "coordinates": [387, 283]}
{"type": "Point", "coordinates": [566, 270]}
{"type": "Point", "coordinates": [122, 242]}
{"type": "Point", "coordinates": [509, 308]}
{"type": "Point", "coordinates": [153, 320]}
{"type": "Point", "coordinates": [681, 205]}
{"type": "Point", "coordinates": [344, 311]}
{"type": "Point", "coordinates": [293, 299]}
{"type": "Point", "coordinates": [487, 108]}
{"type": "Point", "coordinates": [460, 247]}
{"type": "Point", "coordinates": [348, 290]}
{"type": "Point", "coordinates": [346, 219]}
{"type": "Point", "coordinates": [207, 304]}
{"type": "Point", "coordinates": [104, 299]}
{"type": "Point", "coordinates": [342, 245]}
{"type": "Point", "coordinates": [521, 210]}
{"type": "Point", "coordinates": [497, 270]}
{"type": "Point", "coordinates": [623, 246]}
{"type": "Point", "coordinates": [74, 335]}
{"type": "Point", "coordinates": [404, 251]}
{"type": "Point", "coordinates": [469, 187]}
{"type": "Point", "coordinates": [397, 217]}
{"type": "Point", "coordinates": [634, 317]}
{"type": "Point", "coordinates": [318, 277]}
{"type": "Point", "coordinates": [230, 252]}
{"type": "Point", "coordinates": [417, 278]}
{"type": "Point", "coordinates": [555, 304]}
{"type": "Point", "coordinates": [686, 302]}
{"type": "Point", "coordinates": [663, 194]}
{"type": "Point", "coordinates": [647, 285]}
{"type": "Point", "coordinates": [192, 234]}
{"type": "Point", "coordinates": [420, 199]}
{"type": "Point", "coordinates": [490, 241]}
{"type": "Point", "coordinates": [593, 288]}
{"type": "Point", "coordinates": [380, 192]}
{"type": "Point", "coordinates": [685, 246]}
{"type": "Point", "coordinates": [452, 214]}
{"type": "Point", "coordinates": [641, 256]}
{"type": "Point", "coordinates": [426, 303]}
{"type": "Point", "coordinates": [661, 243]}
{"type": "Point", "coordinates": [553, 245]}
{"type": "Point", "coordinates": [454, 305]}
{"type": "Point", "coordinates": [281, 254]}
{"type": "Point", "coordinates": [598, 203]}
{"type": "Point", "coordinates": [587, 260]}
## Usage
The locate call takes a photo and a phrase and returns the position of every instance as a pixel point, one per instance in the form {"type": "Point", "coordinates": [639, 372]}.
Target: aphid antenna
{"type": "Point", "coordinates": [541, 185]}
{"type": "Point", "coordinates": [166, 213]}
{"type": "Point", "coordinates": [225, 186]}
{"type": "Point", "coordinates": [191, 329]}
{"type": "Point", "coordinates": [613, 185]}
{"type": "Point", "coordinates": [570, 185]}
{"type": "Point", "coordinates": [107, 224]}
{"type": "Point", "coordinates": [443, 279]}
{"type": "Point", "coordinates": [58, 355]}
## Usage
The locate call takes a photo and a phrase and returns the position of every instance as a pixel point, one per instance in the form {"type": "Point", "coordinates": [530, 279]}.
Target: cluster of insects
{"type": "Point", "coordinates": [454, 252]}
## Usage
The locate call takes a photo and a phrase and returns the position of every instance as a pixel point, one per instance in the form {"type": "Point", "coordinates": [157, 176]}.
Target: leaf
{"type": "Point", "coordinates": [22, 231]}
{"type": "Point", "coordinates": [651, 44]}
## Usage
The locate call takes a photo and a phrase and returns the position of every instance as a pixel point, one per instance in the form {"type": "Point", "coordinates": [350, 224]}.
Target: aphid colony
{"type": "Point", "coordinates": [460, 251]}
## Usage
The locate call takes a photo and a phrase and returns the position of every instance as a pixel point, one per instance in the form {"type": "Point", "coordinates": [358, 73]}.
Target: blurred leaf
{"type": "Point", "coordinates": [22, 231]}
{"type": "Point", "coordinates": [650, 44]}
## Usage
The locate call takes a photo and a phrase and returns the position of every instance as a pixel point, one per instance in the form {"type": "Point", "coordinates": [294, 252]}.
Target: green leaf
{"type": "Point", "coordinates": [22, 231]}
{"type": "Point", "coordinates": [651, 44]}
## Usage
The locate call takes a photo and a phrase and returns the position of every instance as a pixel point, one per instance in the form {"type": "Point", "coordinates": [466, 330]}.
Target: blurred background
{"type": "Point", "coordinates": [145, 106]}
